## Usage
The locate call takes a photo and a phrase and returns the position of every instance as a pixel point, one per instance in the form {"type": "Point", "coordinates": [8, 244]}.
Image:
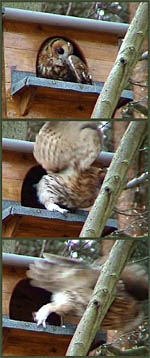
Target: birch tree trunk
{"type": "Point", "coordinates": [124, 64]}
{"type": "Point", "coordinates": [101, 299]}
{"type": "Point", "coordinates": [115, 179]}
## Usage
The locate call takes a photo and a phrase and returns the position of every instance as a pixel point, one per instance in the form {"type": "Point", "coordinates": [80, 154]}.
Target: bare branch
{"type": "Point", "coordinates": [140, 351]}
{"type": "Point", "coordinates": [69, 8]}
{"type": "Point", "coordinates": [144, 56]}
{"type": "Point", "coordinates": [138, 107]}
{"type": "Point", "coordinates": [137, 181]}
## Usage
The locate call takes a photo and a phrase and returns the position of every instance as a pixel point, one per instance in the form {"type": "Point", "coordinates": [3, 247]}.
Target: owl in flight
{"type": "Point", "coordinates": [71, 283]}
{"type": "Point", "coordinates": [66, 150]}
{"type": "Point", "coordinates": [57, 60]}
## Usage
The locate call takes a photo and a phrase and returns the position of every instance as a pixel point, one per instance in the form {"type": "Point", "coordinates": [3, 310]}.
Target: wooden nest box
{"type": "Point", "coordinates": [21, 336]}
{"type": "Point", "coordinates": [27, 96]}
{"type": "Point", "coordinates": [23, 215]}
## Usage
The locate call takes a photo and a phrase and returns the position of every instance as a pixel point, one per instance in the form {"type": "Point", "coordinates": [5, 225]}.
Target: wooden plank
{"type": "Point", "coordinates": [11, 189]}
{"type": "Point", "coordinates": [15, 165]}
{"type": "Point", "coordinates": [14, 168]}
{"type": "Point", "coordinates": [99, 69]}
{"type": "Point", "coordinates": [26, 100]}
{"type": "Point", "coordinates": [4, 110]}
{"type": "Point", "coordinates": [6, 297]}
{"type": "Point", "coordinates": [9, 227]}
{"type": "Point", "coordinates": [13, 58]}
{"type": "Point", "coordinates": [45, 228]}
{"type": "Point", "coordinates": [43, 223]}
{"type": "Point", "coordinates": [41, 32]}
{"type": "Point", "coordinates": [94, 50]}
{"type": "Point", "coordinates": [60, 109]}
{"type": "Point", "coordinates": [65, 93]}
{"type": "Point", "coordinates": [31, 343]}
{"type": "Point", "coordinates": [11, 276]}
{"type": "Point", "coordinates": [54, 339]}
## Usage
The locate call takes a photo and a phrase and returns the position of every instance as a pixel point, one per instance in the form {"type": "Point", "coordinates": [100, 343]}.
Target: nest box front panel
{"type": "Point", "coordinates": [22, 42]}
{"type": "Point", "coordinates": [14, 167]}
{"type": "Point", "coordinates": [11, 276]}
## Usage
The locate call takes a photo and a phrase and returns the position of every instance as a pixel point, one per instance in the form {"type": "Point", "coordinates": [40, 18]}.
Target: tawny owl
{"type": "Point", "coordinates": [69, 189]}
{"type": "Point", "coordinates": [72, 283]}
{"type": "Point", "coordinates": [63, 144]}
{"type": "Point", "coordinates": [57, 60]}
{"type": "Point", "coordinates": [66, 150]}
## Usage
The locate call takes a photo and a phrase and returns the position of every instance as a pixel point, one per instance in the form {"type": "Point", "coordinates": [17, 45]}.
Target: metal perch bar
{"type": "Point", "coordinates": [22, 146]}
{"type": "Point", "coordinates": [64, 21]}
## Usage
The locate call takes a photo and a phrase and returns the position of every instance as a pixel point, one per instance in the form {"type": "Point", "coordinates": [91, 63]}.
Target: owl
{"type": "Point", "coordinates": [69, 189]}
{"type": "Point", "coordinates": [57, 60]}
{"type": "Point", "coordinates": [63, 144]}
{"type": "Point", "coordinates": [66, 150]}
{"type": "Point", "coordinates": [71, 283]}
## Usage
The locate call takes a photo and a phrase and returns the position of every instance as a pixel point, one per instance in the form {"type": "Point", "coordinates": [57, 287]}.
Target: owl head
{"type": "Point", "coordinates": [61, 48]}
{"type": "Point", "coordinates": [61, 59]}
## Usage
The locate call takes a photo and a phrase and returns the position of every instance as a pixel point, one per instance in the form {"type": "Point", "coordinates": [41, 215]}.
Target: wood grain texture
{"type": "Point", "coordinates": [11, 276]}
{"type": "Point", "coordinates": [14, 168]}
{"type": "Point", "coordinates": [21, 342]}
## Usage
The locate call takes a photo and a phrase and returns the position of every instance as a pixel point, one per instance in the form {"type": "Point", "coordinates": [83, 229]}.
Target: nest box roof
{"type": "Point", "coordinates": [65, 21]}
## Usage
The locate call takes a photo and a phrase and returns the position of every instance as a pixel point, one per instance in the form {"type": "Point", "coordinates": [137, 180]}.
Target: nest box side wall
{"type": "Point", "coordinates": [11, 276]}
{"type": "Point", "coordinates": [21, 45]}
{"type": "Point", "coordinates": [14, 168]}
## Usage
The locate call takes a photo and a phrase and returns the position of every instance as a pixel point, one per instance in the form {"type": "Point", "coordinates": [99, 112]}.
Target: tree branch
{"type": "Point", "coordinates": [137, 181]}
{"type": "Point", "coordinates": [114, 181]}
{"type": "Point", "coordinates": [134, 352]}
{"type": "Point", "coordinates": [127, 57]}
{"type": "Point", "coordinates": [144, 56]}
{"type": "Point", "coordinates": [138, 107]}
{"type": "Point", "coordinates": [101, 299]}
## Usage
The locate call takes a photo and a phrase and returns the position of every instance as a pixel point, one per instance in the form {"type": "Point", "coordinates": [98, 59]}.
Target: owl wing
{"type": "Point", "coordinates": [55, 273]}
{"type": "Point", "coordinates": [60, 145]}
{"type": "Point", "coordinates": [79, 70]}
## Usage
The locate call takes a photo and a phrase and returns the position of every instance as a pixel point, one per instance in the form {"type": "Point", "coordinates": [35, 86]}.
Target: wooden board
{"type": "Point", "coordinates": [23, 222]}
{"type": "Point", "coordinates": [15, 165]}
{"type": "Point", "coordinates": [11, 276]}
{"type": "Point", "coordinates": [25, 339]}
{"type": "Point", "coordinates": [23, 342]}
{"type": "Point", "coordinates": [27, 88]}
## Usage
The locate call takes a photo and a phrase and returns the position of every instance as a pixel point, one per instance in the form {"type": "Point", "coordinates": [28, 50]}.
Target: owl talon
{"type": "Point", "coordinates": [40, 316]}
{"type": "Point", "coordinates": [55, 207]}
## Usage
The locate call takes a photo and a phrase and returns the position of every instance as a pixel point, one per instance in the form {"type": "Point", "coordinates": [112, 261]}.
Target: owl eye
{"type": "Point", "coordinates": [60, 50]}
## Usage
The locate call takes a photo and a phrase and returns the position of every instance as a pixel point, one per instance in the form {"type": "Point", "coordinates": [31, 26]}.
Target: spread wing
{"type": "Point", "coordinates": [71, 282]}
{"type": "Point", "coordinates": [56, 273]}
{"type": "Point", "coordinates": [61, 144]}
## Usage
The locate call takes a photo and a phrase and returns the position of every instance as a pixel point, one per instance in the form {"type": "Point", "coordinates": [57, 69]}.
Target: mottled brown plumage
{"type": "Point", "coordinates": [66, 151]}
{"type": "Point", "coordinates": [69, 189]}
{"type": "Point", "coordinates": [72, 283]}
{"type": "Point", "coordinates": [63, 144]}
{"type": "Point", "coordinates": [57, 60]}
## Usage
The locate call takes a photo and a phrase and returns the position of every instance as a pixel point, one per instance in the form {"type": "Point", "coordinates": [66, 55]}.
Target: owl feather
{"type": "Point", "coordinates": [57, 60]}
{"type": "Point", "coordinates": [71, 283]}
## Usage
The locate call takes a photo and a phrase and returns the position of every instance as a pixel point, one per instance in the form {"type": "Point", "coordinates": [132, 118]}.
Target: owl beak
{"type": "Point", "coordinates": [69, 46]}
